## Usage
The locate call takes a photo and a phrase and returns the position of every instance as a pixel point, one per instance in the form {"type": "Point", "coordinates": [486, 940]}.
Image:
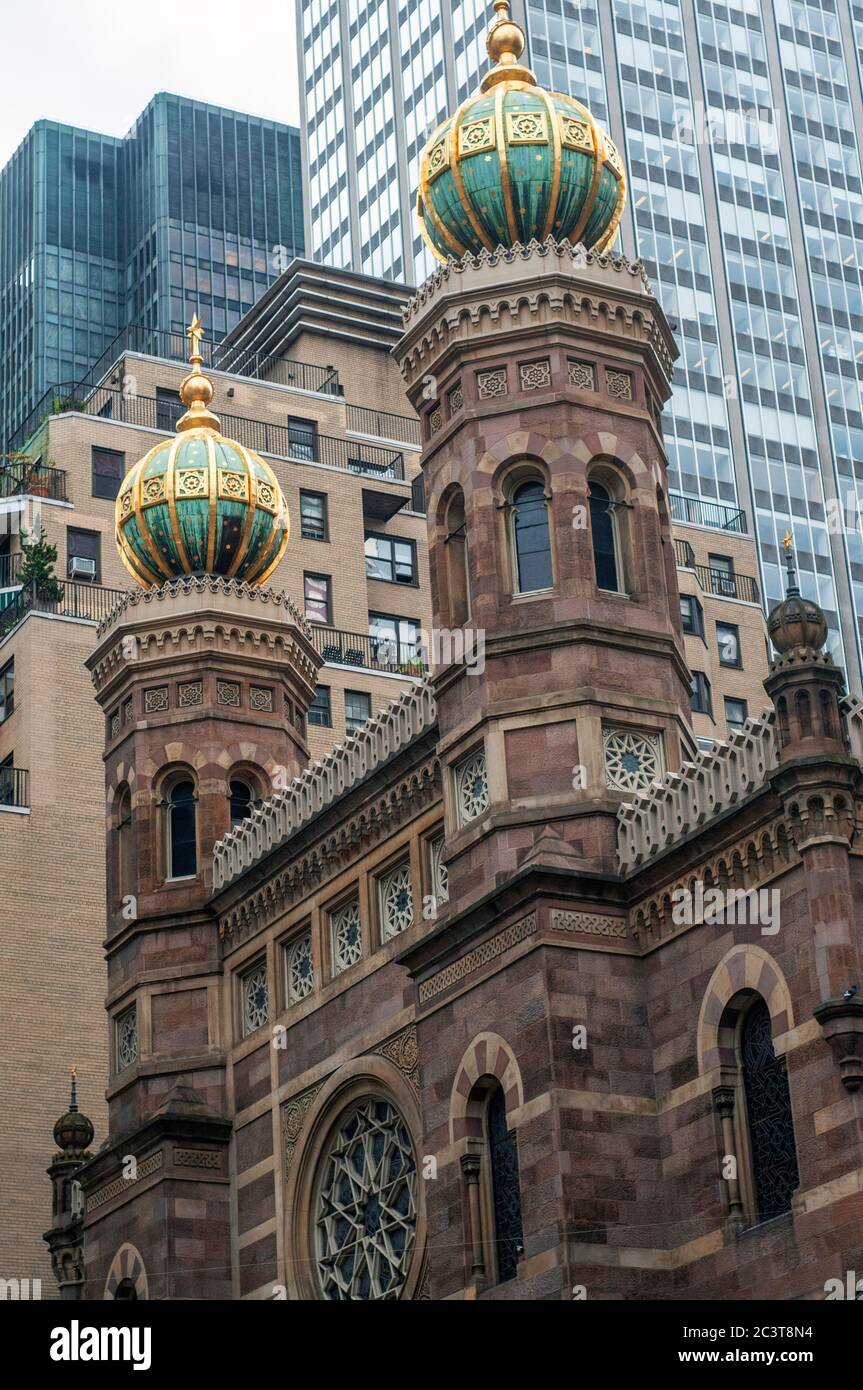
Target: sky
{"type": "Point", "coordinates": [96, 63]}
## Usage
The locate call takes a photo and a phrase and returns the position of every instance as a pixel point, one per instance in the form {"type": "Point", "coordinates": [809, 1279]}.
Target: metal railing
{"type": "Point", "coordinates": [370, 653]}
{"type": "Point", "coordinates": [9, 567]}
{"type": "Point", "coordinates": [26, 478]}
{"type": "Point", "coordinates": [383, 424]}
{"type": "Point", "coordinates": [697, 511]}
{"type": "Point", "coordinates": [85, 602]}
{"type": "Point", "coordinates": [174, 347]}
{"type": "Point", "coordinates": [716, 581]}
{"type": "Point", "coordinates": [14, 786]}
{"type": "Point", "coordinates": [282, 441]}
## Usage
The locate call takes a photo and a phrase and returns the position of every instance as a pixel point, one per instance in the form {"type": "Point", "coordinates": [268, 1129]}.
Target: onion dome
{"type": "Point", "coordinates": [73, 1132]}
{"type": "Point", "coordinates": [200, 503]}
{"type": "Point", "coordinates": [796, 622]}
{"type": "Point", "coordinates": [517, 163]}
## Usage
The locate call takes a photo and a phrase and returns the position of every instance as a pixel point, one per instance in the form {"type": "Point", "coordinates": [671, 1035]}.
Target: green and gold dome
{"type": "Point", "coordinates": [200, 503]}
{"type": "Point", "coordinates": [517, 163]}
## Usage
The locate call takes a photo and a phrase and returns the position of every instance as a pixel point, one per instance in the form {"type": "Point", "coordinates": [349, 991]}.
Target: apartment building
{"type": "Point", "coordinates": [327, 410]}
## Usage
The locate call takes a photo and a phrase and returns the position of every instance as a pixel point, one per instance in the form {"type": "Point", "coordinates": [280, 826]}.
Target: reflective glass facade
{"type": "Point", "coordinates": [197, 208]}
{"type": "Point", "coordinates": [742, 129]}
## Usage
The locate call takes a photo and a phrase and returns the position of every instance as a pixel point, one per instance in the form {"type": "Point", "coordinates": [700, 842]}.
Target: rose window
{"type": "Point", "coordinates": [301, 974]}
{"type": "Point", "coordinates": [633, 761]}
{"type": "Point", "coordinates": [472, 787]}
{"type": "Point", "coordinates": [347, 937]}
{"type": "Point", "coordinates": [366, 1205]}
{"type": "Point", "coordinates": [397, 903]}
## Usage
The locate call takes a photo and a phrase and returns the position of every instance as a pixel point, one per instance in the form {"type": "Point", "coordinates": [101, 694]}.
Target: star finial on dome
{"type": "Point", "coordinates": [792, 589]}
{"type": "Point", "coordinates": [505, 44]}
{"type": "Point", "coordinates": [196, 390]}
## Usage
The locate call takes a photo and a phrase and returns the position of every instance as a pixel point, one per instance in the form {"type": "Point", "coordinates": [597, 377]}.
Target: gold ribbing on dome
{"type": "Point", "coordinates": [505, 44]}
{"type": "Point", "coordinates": [196, 390]}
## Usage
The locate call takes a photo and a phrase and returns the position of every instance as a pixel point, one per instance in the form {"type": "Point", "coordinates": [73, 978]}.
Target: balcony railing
{"type": "Point", "coordinates": [369, 653]}
{"type": "Point", "coordinates": [384, 425]}
{"type": "Point", "coordinates": [14, 787]}
{"type": "Point", "coordinates": [716, 581]}
{"type": "Point", "coordinates": [282, 441]}
{"type": "Point", "coordinates": [174, 347]}
{"type": "Point", "coordinates": [85, 602]}
{"type": "Point", "coordinates": [9, 567]}
{"type": "Point", "coordinates": [24, 478]}
{"type": "Point", "coordinates": [697, 511]}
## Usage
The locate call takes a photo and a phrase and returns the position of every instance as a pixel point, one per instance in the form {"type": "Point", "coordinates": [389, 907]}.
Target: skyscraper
{"type": "Point", "coordinates": [196, 209]}
{"type": "Point", "coordinates": [741, 131]}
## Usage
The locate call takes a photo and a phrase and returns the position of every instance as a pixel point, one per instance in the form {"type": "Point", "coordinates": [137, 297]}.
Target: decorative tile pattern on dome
{"type": "Point", "coordinates": [526, 128]}
{"type": "Point", "coordinates": [476, 136]}
{"type": "Point", "coordinates": [534, 376]}
{"type": "Point", "coordinates": [575, 134]}
{"type": "Point", "coordinates": [266, 496]}
{"type": "Point", "coordinates": [437, 160]}
{"type": "Point", "coordinates": [396, 900]}
{"type": "Point", "coordinates": [125, 504]}
{"type": "Point", "coordinates": [633, 760]}
{"type": "Point", "coordinates": [471, 787]}
{"type": "Point", "coordinates": [192, 482]}
{"type": "Point", "coordinates": [152, 490]}
{"type": "Point", "coordinates": [233, 486]}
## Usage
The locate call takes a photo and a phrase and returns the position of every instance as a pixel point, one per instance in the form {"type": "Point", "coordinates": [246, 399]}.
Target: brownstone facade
{"type": "Point", "coordinates": [447, 1017]}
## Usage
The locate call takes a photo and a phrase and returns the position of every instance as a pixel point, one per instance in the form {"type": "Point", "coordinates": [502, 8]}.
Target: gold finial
{"type": "Point", "coordinates": [505, 44]}
{"type": "Point", "coordinates": [788, 540]}
{"type": "Point", "coordinates": [196, 390]}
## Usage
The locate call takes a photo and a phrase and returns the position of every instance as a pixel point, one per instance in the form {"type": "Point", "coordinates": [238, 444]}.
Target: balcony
{"type": "Point", "coordinates": [384, 425]}
{"type": "Point", "coordinates": [14, 788]}
{"type": "Point", "coordinates": [174, 347]}
{"type": "Point", "coordinates": [80, 602]}
{"type": "Point", "coordinates": [280, 441]}
{"type": "Point", "coordinates": [9, 567]}
{"type": "Point", "coordinates": [367, 653]}
{"type": "Point", "coordinates": [25, 477]}
{"type": "Point", "coordinates": [696, 511]}
{"type": "Point", "coordinates": [713, 581]}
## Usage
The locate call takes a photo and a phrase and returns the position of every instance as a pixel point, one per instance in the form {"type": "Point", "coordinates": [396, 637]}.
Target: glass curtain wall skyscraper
{"type": "Point", "coordinates": [196, 209]}
{"type": "Point", "coordinates": [741, 128]}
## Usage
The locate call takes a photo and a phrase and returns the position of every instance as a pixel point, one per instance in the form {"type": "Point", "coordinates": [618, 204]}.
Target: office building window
{"type": "Point", "coordinates": [728, 644]}
{"type": "Point", "coordinates": [321, 710]}
{"type": "Point", "coordinates": [7, 690]}
{"type": "Point", "coordinates": [108, 472]}
{"type": "Point", "coordinates": [302, 439]}
{"type": "Point", "coordinates": [390, 559]}
{"type": "Point", "coordinates": [83, 555]}
{"type": "Point", "coordinates": [358, 709]}
{"type": "Point", "coordinates": [318, 598]}
{"type": "Point", "coordinates": [691, 615]}
{"type": "Point", "coordinates": [313, 516]}
{"type": "Point", "coordinates": [701, 699]}
{"type": "Point", "coordinates": [736, 712]}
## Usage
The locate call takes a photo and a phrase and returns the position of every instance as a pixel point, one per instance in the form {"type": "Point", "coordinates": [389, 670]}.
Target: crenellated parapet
{"type": "Point", "coordinates": [686, 800]}
{"type": "Point", "coordinates": [318, 786]}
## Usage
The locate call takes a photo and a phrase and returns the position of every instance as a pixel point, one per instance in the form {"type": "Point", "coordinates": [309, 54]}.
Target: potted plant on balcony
{"type": "Point", "coordinates": [38, 558]}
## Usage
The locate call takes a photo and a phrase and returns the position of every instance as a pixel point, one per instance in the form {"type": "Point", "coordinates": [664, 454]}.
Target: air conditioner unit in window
{"type": "Point", "coordinates": [82, 568]}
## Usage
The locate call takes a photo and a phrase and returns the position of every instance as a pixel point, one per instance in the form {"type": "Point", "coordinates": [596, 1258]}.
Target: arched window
{"type": "Point", "coordinates": [126, 1292]}
{"type": "Point", "coordinates": [505, 1191]}
{"type": "Point", "coordinates": [603, 530]}
{"type": "Point", "coordinates": [182, 852]}
{"type": "Point", "coordinates": [531, 541]}
{"type": "Point", "coordinates": [125, 872]}
{"type": "Point", "coordinates": [804, 714]}
{"type": "Point", "coordinates": [456, 560]}
{"type": "Point", "coordinates": [241, 799]}
{"type": "Point", "coordinates": [768, 1114]}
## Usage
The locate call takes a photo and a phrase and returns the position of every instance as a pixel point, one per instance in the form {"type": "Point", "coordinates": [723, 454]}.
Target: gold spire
{"type": "Point", "coordinates": [505, 44]}
{"type": "Point", "coordinates": [196, 390]}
